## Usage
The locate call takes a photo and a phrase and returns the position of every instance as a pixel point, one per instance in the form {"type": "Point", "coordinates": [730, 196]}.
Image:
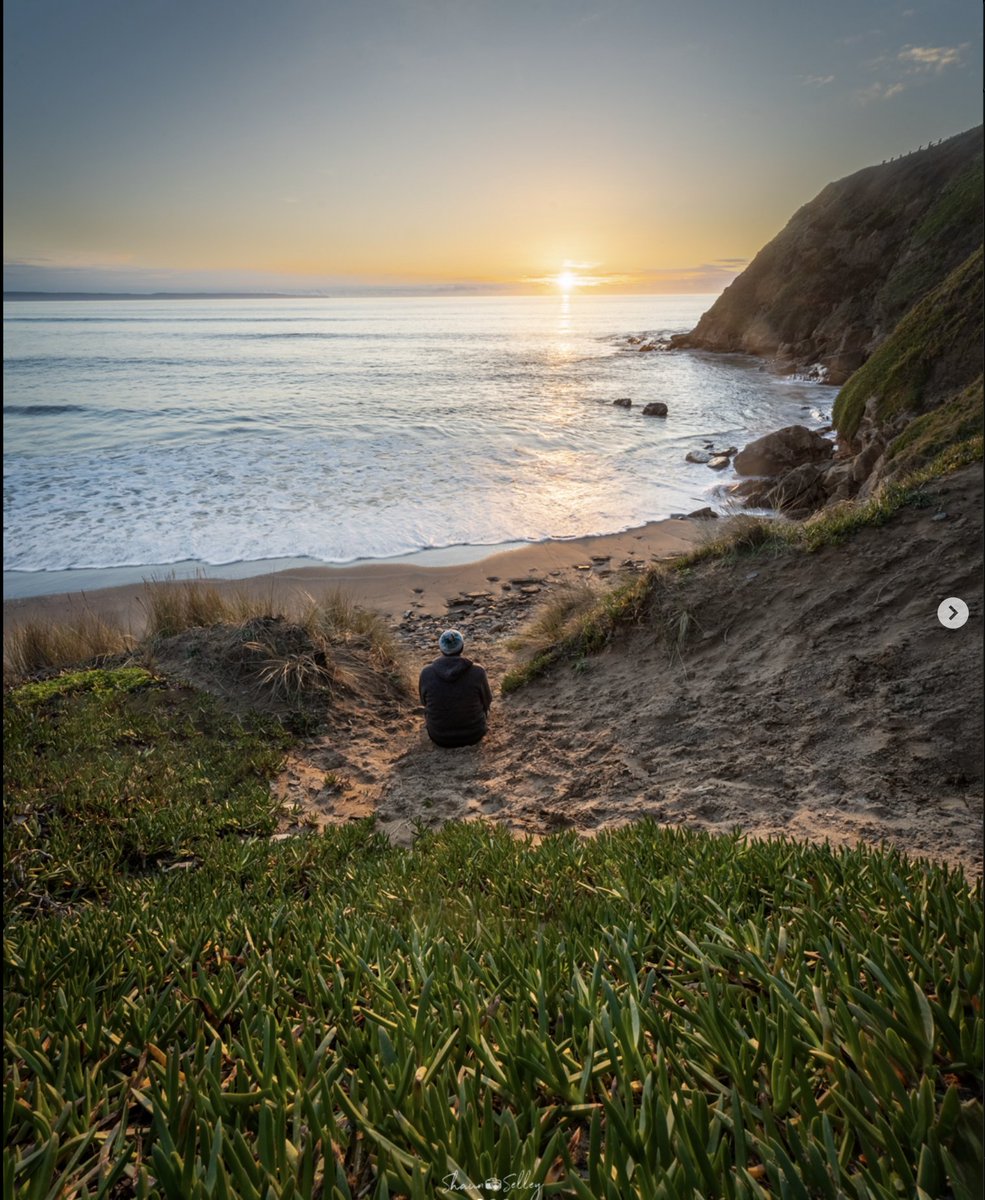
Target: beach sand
{"type": "Point", "coordinates": [391, 587]}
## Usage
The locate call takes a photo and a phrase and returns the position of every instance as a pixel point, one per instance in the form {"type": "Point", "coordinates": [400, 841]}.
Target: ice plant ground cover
{"type": "Point", "coordinates": [192, 1010]}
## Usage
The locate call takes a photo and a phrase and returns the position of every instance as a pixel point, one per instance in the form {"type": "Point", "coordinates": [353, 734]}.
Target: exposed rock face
{"type": "Point", "coordinates": [782, 451]}
{"type": "Point", "coordinates": [831, 287]}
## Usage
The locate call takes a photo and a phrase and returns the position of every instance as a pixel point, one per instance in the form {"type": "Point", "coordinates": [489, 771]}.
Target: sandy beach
{"type": "Point", "coordinates": [393, 588]}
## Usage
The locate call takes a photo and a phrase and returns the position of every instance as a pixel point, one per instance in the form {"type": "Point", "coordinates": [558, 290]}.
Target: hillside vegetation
{"type": "Point", "coordinates": [332, 1016]}
{"type": "Point", "coordinates": [921, 391]}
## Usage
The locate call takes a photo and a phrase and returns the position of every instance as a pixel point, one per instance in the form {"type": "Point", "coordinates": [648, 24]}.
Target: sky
{"type": "Point", "coordinates": [450, 145]}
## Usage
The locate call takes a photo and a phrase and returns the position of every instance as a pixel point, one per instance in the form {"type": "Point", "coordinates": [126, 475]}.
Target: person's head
{"type": "Point", "coordinates": [451, 642]}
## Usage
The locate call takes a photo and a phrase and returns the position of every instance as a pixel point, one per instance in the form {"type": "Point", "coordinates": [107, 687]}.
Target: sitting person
{"type": "Point", "coordinates": [455, 694]}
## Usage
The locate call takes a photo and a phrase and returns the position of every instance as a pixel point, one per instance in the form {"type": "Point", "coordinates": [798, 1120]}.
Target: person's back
{"type": "Point", "coordinates": [456, 695]}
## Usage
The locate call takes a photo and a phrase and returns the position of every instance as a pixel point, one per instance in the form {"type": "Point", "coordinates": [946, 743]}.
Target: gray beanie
{"type": "Point", "coordinates": [451, 642]}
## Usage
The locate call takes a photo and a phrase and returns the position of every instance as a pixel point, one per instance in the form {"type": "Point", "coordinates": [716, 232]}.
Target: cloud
{"type": "Point", "coordinates": [878, 91]}
{"type": "Point", "coordinates": [932, 58]}
{"type": "Point", "coordinates": [816, 80]}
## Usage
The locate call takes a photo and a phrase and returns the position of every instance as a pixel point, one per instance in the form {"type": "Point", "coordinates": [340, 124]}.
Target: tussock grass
{"type": "Point", "coordinates": [586, 628]}
{"type": "Point", "coordinates": [556, 618]}
{"type": "Point", "coordinates": [743, 534]}
{"type": "Point", "coordinates": [33, 646]}
{"type": "Point", "coordinates": [330, 620]}
{"type": "Point", "coordinates": [286, 651]}
{"type": "Point", "coordinates": [335, 1017]}
{"type": "Point", "coordinates": [339, 621]}
{"type": "Point", "coordinates": [174, 605]}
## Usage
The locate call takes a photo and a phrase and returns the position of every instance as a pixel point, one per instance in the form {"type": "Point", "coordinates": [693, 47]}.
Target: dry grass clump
{"type": "Point", "coordinates": [174, 605]}
{"type": "Point", "coordinates": [556, 618]}
{"type": "Point", "coordinates": [335, 618]}
{"type": "Point", "coordinates": [305, 649]}
{"type": "Point", "coordinates": [742, 535]}
{"type": "Point", "coordinates": [586, 629]}
{"type": "Point", "coordinates": [234, 643]}
{"type": "Point", "coordinates": [35, 645]}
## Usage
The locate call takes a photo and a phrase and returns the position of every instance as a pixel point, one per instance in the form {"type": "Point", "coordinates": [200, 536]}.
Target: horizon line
{"type": "Point", "coordinates": [450, 291]}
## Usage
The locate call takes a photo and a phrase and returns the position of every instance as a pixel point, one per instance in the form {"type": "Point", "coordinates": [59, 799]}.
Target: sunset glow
{"type": "Point", "coordinates": [443, 158]}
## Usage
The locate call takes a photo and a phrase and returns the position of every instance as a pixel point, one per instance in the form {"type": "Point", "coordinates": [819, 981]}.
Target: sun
{"type": "Point", "coordinates": [566, 281]}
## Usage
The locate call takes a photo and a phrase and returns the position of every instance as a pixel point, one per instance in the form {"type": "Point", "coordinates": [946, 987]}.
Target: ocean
{"type": "Point", "coordinates": [150, 433]}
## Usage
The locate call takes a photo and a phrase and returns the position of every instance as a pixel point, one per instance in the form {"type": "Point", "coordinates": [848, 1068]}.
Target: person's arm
{"type": "Point", "coordinates": [484, 690]}
{"type": "Point", "coordinates": [420, 688]}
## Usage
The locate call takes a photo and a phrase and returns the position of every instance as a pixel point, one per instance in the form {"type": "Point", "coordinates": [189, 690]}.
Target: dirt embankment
{"type": "Point", "coordinates": [815, 696]}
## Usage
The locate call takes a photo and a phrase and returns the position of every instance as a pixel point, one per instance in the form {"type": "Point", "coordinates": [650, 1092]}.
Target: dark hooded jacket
{"type": "Point", "coordinates": [456, 697]}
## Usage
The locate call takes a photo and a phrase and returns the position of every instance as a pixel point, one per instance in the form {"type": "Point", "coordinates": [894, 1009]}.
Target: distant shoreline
{"type": "Point", "coordinates": [19, 296]}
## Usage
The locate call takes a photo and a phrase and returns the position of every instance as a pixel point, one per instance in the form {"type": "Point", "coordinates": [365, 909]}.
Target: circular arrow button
{"type": "Point", "coordinates": [952, 612]}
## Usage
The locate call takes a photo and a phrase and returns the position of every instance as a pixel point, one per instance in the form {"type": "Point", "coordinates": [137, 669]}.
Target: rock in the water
{"type": "Point", "coordinates": [703, 514]}
{"type": "Point", "coordinates": [697, 456]}
{"type": "Point", "coordinates": [655, 409]}
{"type": "Point", "coordinates": [622, 402]}
{"type": "Point", "coordinates": [719, 462]}
{"type": "Point", "coordinates": [779, 452]}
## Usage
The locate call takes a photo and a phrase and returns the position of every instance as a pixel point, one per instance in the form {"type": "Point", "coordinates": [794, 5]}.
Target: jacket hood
{"type": "Point", "coordinates": [451, 666]}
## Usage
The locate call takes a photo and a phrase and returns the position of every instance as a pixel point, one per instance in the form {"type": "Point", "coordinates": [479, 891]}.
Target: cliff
{"type": "Point", "coordinates": [848, 266]}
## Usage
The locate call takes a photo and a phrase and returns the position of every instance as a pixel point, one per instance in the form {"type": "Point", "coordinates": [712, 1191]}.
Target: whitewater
{"type": "Point", "coordinates": [142, 433]}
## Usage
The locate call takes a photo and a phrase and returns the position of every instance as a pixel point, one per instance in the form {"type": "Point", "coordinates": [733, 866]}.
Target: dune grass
{"type": "Point", "coordinates": [302, 645]}
{"type": "Point", "coordinates": [332, 1016]}
{"type": "Point", "coordinates": [38, 645]}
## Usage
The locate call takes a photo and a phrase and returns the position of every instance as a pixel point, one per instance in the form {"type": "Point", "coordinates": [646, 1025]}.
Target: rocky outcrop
{"type": "Point", "coordinates": [655, 409]}
{"type": "Point", "coordinates": [877, 284]}
{"type": "Point", "coordinates": [832, 286]}
{"type": "Point", "coordinates": [782, 451]}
